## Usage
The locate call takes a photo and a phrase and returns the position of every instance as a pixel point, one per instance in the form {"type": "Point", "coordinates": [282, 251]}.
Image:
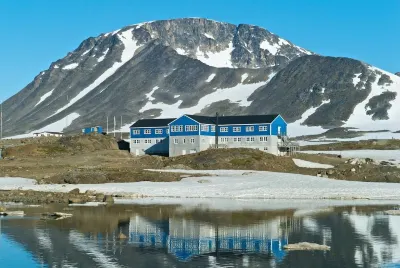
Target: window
{"type": "Point", "coordinates": [192, 140]}
{"type": "Point", "coordinates": [235, 139]}
{"type": "Point", "coordinates": [157, 141]}
{"type": "Point", "coordinates": [239, 139]}
{"type": "Point", "coordinates": [147, 131]}
{"type": "Point", "coordinates": [191, 128]}
{"type": "Point", "coordinates": [250, 129]}
{"type": "Point", "coordinates": [136, 141]}
{"type": "Point", "coordinates": [263, 128]}
{"type": "Point", "coordinates": [175, 141]}
{"type": "Point", "coordinates": [212, 128]}
{"type": "Point", "coordinates": [177, 128]}
{"type": "Point", "coordinates": [167, 131]}
{"type": "Point", "coordinates": [263, 138]}
{"type": "Point", "coordinates": [183, 141]}
{"type": "Point", "coordinates": [136, 132]}
{"type": "Point", "coordinates": [224, 139]}
{"type": "Point", "coordinates": [250, 139]}
{"type": "Point", "coordinates": [147, 141]}
{"type": "Point", "coordinates": [159, 131]}
{"type": "Point", "coordinates": [205, 128]}
{"type": "Point", "coordinates": [265, 148]}
{"type": "Point", "coordinates": [237, 129]}
{"type": "Point", "coordinates": [223, 129]}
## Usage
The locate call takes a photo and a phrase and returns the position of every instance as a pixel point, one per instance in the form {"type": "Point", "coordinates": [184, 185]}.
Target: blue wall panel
{"type": "Point", "coordinates": [184, 121]}
{"type": "Point", "coordinates": [243, 132]}
{"type": "Point", "coordinates": [279, 122]}
{"type": "Point", "coordinates": [152, 134]}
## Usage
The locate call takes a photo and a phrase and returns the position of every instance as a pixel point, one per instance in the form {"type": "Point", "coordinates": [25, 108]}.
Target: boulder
{"type": "Point", "coordinates": [90, 192]}
{"type": "Point", "coordinates": [74, 191]}
{"type": "Point", "coordinates": [108, 199]}
{"type": "Point", "coordinates": [353, 170]}
{"type": "Point", "coordinates": [75, 201]}
{"type": "Point", "coordinates": [100, 197]}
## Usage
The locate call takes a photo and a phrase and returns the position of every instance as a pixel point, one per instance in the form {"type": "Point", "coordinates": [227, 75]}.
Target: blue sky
{"type": "Point", "coordinates": [36, 33]}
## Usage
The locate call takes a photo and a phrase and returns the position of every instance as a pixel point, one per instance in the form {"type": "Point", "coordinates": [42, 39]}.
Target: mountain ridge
{"type": "Point", "coordinates": [169, 67]}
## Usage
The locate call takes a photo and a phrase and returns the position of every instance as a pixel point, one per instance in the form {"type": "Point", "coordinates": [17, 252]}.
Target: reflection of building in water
{"type": "Point", "coordinates": [186, 239]}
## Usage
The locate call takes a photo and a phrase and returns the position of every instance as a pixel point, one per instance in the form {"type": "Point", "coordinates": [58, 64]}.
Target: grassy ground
{"type": "Point", "coordinates": [97, 159]}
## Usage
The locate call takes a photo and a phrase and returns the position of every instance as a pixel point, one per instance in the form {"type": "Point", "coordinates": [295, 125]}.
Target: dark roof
{"type": "Point", "coordinates": [153, 122]}
{"type": "Point", "coordinates": [233, 120]}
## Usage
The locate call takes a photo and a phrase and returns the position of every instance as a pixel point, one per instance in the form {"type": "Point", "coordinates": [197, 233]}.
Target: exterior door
{"type": "Point", "coordinates": [137, 152]}
{"type": "Point", "coordinates": [279, 130]}
{"type": "Point", "coordinates": [183, 152]}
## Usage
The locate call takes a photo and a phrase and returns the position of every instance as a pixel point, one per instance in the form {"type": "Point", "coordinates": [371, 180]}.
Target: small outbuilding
{"type": "Point", "coordinates": [48, 134]}
{"type": "Point", "coordinates": [90, 130]}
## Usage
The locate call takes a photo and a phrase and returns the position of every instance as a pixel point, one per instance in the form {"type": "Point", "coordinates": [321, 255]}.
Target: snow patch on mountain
{"type": "Point", "coordinates": [209, 36]}
{"type": "Point", "coordinates": [181, 51]}
{"type": "Point", "coordinates": [237, 94]}
{"type": "Point", "coordinates": [86, 52]}
{"type": "Point", "coordinates": [70, 66]}
{"type": "Point", "coordinates": [103, 56]}
{"type": "Point", "coordinates": [244, 77]}
{"type": "Point", "coordinates": [44, 97]}
{"type": "Point", "coordinates": [210, 78]}
{"type": "Point", "coordinates": [357, 79]}
{"type": "Point", "coordinates": [359, 118]}
{"type": "Point", "coordinates": [216, 59]}
{"type": "Point", "coordinates": [130, 48]}
{"type": "Point", "coordinates": [150, 94]}
{"type": "Point", "coordinates": [57, 126]}
{"type": "Point", "coordinates": [300, 129]}
{"type": "Point", "coordinates": [272, 48]}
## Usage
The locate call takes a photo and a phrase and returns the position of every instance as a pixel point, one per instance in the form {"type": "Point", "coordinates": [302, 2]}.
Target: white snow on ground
{"type": "Point", "coordinates": [304, 50]}
{"type": "Point", "coordinates": [70, 66]}
{"type": "Point", "coordinates": [235, 184]}
{"type": "Point", "coordinates": [380, 155]}
{"type": "Point", "coordinates": [128, 53]}
{"type": "Point", "coordinates": [44, 97]}
{"type": "Point", "coordinates": [359, 119]}
{"type": "Point", "coordinates": [272, 48]}
{"type": "Point", "coordinates": [210, 78]}
{"type": "Point", "coordinates": [209, 36]}
{"type": "Point", "coordinates": [57, 126]}
{"type": "Point", "coordinates": [308, 164]}
{"type": "Point", "coordinates": [299, 129]}
{"type": "Point", "coordinates": [356, 79]}
{"type": "Point", "coordinates": [103, 56]}
{"type": "Point", "coordinates": [244, 77]}
{"type": "Point", "coordinates": [176, 96]}
{"type": "Point", "coordinates": [218, 59]}
{"type": "Point", "coordinates": [366, 136]}
{"type": "Point", "coordinates": [181, 51]}
{"type": "Point", "coordinates": [56, 66]}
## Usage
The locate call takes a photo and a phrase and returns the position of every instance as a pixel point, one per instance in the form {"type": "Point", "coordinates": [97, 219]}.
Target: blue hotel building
{"type": "Point", "coordinates": [194, 133]}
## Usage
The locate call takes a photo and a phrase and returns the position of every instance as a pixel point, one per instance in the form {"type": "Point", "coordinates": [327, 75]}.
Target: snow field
{"type": "Point", "coordinates": [308, 164]}
{"type": "Point", "coordinates": [44, 97]}
{"type": "Point", "coordinates": [233, 184]}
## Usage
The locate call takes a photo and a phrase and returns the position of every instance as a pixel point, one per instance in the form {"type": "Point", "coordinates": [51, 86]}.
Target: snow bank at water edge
{"type": "Point", "coordinates": [308, 164]}
{"type": "Point", "coordinates": [235, 184]}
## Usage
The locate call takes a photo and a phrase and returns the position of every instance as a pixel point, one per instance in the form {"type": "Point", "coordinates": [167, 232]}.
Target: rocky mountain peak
{"type": "Point", "coordinates": [398, 73]}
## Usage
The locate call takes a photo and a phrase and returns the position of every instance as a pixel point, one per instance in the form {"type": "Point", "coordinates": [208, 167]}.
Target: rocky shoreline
{"type": "Point", "coordinates": [36, 197]}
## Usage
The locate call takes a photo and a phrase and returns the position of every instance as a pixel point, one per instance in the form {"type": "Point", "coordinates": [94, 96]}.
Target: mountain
{"type": "Point", "coordinates": [171, 67]}
{"type": "Point", "coordinates": [398, 73]}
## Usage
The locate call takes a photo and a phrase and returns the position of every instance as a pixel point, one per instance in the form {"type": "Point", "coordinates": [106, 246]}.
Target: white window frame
{"type": "Point", "coordinates": [183, 141]}
{"type": "Point", "coordinates": [176, 141]}
{"type": "Point", "coordinates": [263, 138]}
{"type": "Point", "coordinates": [177, 128]}
{"type": "Point", "coordinates": [205, 128]}
{"type": "Point", "coordinates": [191, 128]}
{"type": "Point", "coordinates": [159, 131]}
{"type": "Point", "coordinates": [252, 139]}
{"type": "Point", "coordinates": [136, 131]}
{"type": "Point", "coordinates": [223, 129]}
{"type": "Point", "coordinates": [212, 128]}
{"type": "Point", "coordinates": [147, 131]}
{"type": "Point", "coordinates": [263, 128]}
{"type": "Point", "coordinates": [250, 129]}
{"type": "Point", "coordinates": [237, 129]}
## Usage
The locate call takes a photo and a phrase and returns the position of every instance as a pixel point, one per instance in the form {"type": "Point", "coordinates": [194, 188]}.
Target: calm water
{"type": "Point", "coordinates": [171, 236]}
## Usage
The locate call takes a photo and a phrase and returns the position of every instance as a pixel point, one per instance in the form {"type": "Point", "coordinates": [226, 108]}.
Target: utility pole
{"type": "Point", "coordinates": [216, 130]}
{"type": "Point", "coordinates": [107, 124]}
{"type": "Point", "coordinates": [66, 118]}
{"type": "Point", "coordinates": [114, 125]}
{"type": "Point", "coordinates": [121, 127]}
